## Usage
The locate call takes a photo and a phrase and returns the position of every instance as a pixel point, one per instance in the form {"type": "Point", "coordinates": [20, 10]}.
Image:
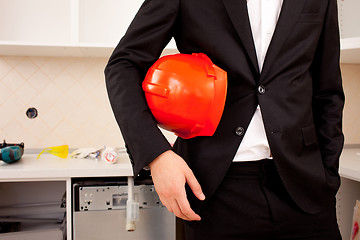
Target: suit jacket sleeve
{"type": "Point", "coordinates": [328, 100]}
{"type": "Point", "coordinates": [146, 37]}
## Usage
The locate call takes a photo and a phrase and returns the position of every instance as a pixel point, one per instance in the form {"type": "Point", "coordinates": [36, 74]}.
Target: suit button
{"type": "Point", "coordinates": [239, 131]}
{"type": "Point", "coordinates": [261, 89]}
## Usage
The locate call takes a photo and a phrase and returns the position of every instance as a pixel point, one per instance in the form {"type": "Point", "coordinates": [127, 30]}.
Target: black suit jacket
{"type": "Point", "coordinates": [301, 105]}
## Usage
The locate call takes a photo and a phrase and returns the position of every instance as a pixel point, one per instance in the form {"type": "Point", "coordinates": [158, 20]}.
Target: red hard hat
{"type": "Point", "coordinates": [186, 94]}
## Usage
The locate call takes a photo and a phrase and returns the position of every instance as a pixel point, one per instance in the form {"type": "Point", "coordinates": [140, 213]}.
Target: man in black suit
{"type": "Point", "coordinates": [270, 171]}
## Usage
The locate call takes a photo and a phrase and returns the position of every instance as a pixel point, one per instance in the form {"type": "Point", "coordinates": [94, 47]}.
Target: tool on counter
{"type": "Point", "coordinates": [11, 152]}
{"type": "Point", "coordinates": [107, 153]}
{"type": "Point", "coordinates": [87, 153]}
{"type": "Point", "coordinates": [110, 155]}
{"type": "Point", "coordinates": [60, 151]}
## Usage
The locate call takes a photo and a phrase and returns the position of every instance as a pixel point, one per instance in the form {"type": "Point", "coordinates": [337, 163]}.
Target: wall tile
{"type": "Point", "coordinates": [26, 68]}
{"type": "Point", "coordinates": [26, 92]}
{"type": "Point", "coordinates": [40, 61]}
{"type": "Point", "coordinates": [64, 81]}
{"type": "Point", "coordinates": [4, 92]}
{"type": "Point", "coordinates": [39, 81]}
{"type": "Point", "coordinates": [12, 80]}
{"type": "Point", "coordinates": [54, 66]}
{"type": "Point", "coordinates": [12, 107]}
{"type": "Point", "coordinates": [71, 98]}
{"type": "Point", "coordinates": [4, 67]}
{"type": "Point", "coordinates": [13, 60]}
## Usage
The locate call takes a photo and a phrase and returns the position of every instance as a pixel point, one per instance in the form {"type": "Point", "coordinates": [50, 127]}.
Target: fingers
{"type": "Point", "coordinates": [181, 208]}
{"type": "Point", "coordinates": [186, 210]}
{"type": "Point", "coordinates": [194, 185]}
{"type": "Point", "coordinates": [177, 211]}
{"type": "Point", "coordinates": [178, 204]}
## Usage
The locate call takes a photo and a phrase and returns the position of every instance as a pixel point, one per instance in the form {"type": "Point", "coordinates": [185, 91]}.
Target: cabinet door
{"type": "Point", "coordinates": [36, 208]}
{"type": "Point", "coordinates": [35, 20]}
{"type": "Point", "coordinates": [105, 21]}
{"type": "Point", "coordinates": [349, 18]}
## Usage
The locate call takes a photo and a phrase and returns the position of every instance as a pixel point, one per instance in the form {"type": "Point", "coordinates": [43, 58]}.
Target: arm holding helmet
{"type": "Point", "coordinates": [150, 31]}
{"type": "Point", "coordinates": [140, 47]}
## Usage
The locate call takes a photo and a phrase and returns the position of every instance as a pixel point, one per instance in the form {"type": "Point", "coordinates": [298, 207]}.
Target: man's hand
{"type": "Point", "coordinates": [170, 173]}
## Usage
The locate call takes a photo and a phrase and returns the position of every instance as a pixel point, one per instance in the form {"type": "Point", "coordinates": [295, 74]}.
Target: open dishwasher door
{"type": "Point", "coordinates": [99, 211]}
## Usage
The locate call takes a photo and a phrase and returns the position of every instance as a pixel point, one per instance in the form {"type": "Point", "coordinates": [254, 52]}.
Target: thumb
{"type": "Point", "coordinates": [194, 185]}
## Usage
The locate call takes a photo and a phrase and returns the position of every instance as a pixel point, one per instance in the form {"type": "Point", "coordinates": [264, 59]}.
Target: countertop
{"type": "Point", "coordinates": [49, 167]}
{"type": "Point", "coordinates": [350, 163]}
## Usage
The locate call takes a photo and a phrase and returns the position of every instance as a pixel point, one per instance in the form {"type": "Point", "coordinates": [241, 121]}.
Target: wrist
{"type": "Point", "coordinates": [152, 163]}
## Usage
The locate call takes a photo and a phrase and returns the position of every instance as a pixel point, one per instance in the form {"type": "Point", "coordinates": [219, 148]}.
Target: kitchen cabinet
{"type": "Point", "coordinates": [86, 28]}
{"type": "Point", "coordinates": [35, 21]}
{"type": "Point", "coordinates": [47, 178]}
{"type": "Point", "coordinates": [52, 172]}
{"type": "Point", "coordinates": [349, 190]}
{"type": "Point", "coordinates": [34, 182]}
{"type": "Point", "coordinates": [92, 28]}
{"type": "Point", "coordinates": [24, 206]}
{"type": "Point", "coordinates": [104, 22]}
{"type": "Point", "coordinates": [349, 19]}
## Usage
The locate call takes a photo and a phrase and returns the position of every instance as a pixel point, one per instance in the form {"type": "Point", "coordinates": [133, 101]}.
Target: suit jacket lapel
{"type": "Point", "coordinates": [289, 14]}
{"type": "Point", "coordinates": [237, 10]}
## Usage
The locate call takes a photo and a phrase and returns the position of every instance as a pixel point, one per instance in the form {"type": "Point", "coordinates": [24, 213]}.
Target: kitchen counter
{"type": "Point", "coordinates": [50, 167]}
{"type": "Point", "coordinates": [349, 190]}
{"type": "Point", "coordinates": [52, 170]}
{"type": "Point", "coordinates": [350, 163]}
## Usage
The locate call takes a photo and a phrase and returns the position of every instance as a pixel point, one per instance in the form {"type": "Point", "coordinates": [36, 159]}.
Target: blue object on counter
{"type": "Point", "coordinates": [10, 153]}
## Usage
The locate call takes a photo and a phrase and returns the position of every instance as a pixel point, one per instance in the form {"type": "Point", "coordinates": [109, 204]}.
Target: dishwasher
{"type": "Point", "coordinates": [99, 210]}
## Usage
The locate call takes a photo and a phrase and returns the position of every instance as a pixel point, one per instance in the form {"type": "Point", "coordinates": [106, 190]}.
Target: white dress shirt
{"type": "Point", "coordinates": [263, 16]}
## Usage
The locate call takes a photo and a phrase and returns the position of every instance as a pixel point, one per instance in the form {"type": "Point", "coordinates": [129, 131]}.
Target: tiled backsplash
{"type": "Point", "coordinates": [73, 107]}
{"type": "Point", "coordinates": [70, 96]}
